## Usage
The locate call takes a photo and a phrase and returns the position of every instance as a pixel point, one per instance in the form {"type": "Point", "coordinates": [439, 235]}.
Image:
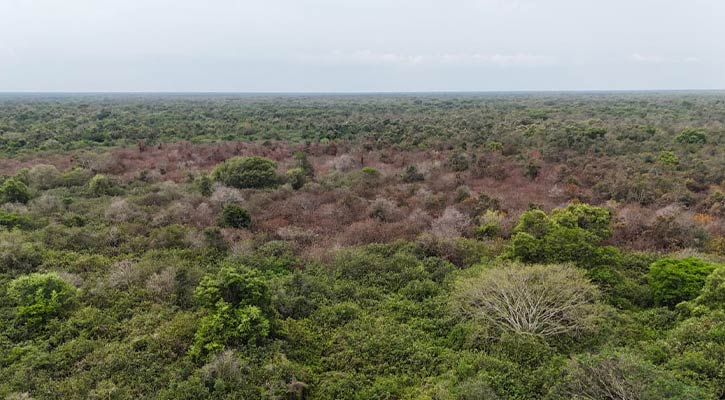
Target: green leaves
{"type": "Point", "coordinates": [692, 136]}
{"type": "Point", "coordinates": [15, 191]}
{"type": "Point", "coordinates": [674, 281]}
{"type": "Point", "coordinates": [40, 297]}
{"type": "Point", "coordinates": [247, 172]}
{"type": "Point", "coordinates": [570, 234]}
{"type": "Point", "coordinates": [234, 216]}
{"type": "Point", "coordinates": [241, 313]}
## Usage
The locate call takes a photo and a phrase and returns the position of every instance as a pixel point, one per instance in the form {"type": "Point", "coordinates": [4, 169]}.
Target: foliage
{"type": "Point", "coordinates": [674, 281]}
{"type": "Point", "coordinates": [205, 185]}
{"type": "Point", "coordinates": [692, 136]}
{"type": "Point", "coordinates": [617, 376]}
{"type": "Point", "coordinates": [344, 289]}
{"type": "Point", "coordinates": [668, 158]}
{"type": "Point", "coordinates": [102, 185]}
{"type": "Point", "coordinates": [573, 234]}
{"type": "Point", "coordinates": [296, 177]}
{"type": "Point", "coordinates": [240, 310]}
{"type": "Point", "coordinates": [234, 216]}
{"type": "Point", "coordinates": [412, 175]}
{"type": "Point", "coordinates": [304, 164]}
{"type": "Point", "coordinates": [247, 172]}
{"type": "Point", "coordinates": [40, 297]}
{"type": "Point", "coordinates": [14, 190]}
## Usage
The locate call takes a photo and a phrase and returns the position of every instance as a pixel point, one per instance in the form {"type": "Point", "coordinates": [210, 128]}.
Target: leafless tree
{"type": "Point", "coordinates": [542, 300]}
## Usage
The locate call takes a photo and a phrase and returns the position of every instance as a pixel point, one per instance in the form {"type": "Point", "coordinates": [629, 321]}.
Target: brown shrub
{"type": "Point", "coordinates": [451, 224]}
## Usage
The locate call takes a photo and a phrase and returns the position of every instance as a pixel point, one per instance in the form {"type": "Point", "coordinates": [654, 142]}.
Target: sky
{"type": "Point", "coordinates": [360, 45]}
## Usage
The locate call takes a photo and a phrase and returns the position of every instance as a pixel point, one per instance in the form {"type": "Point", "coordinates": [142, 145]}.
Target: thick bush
{"type": "Point", "coordinates": [570, 234]}
{"type": "Point", "coordinates": [617, 376]}
{"type": "Point", "coordinates": [692, 136]}
{"type": "Point", "coordinates": [40, 297]}
{"type": "Point", "coordinates": [17, 253]}
{"type": "Point", "coordinates": [234, 216]}
{"type": "Point", "coordinates": [247, 172]}
{"type": "Point", "coordinates": [14, 191]}
{"type": "Point", "coordinates": [102, 185]}
{"type": "Point", "coordinates": [296, 177]}
{"type": "Point", "coordinates": [240, 312]}
{"type": "Point", "coordinates": [674, 281]}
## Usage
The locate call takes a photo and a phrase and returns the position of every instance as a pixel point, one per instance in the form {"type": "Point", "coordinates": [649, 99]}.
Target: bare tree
{"type": "Point", "coordinates": [542, 300]}
{"type": "Point", "coordinates": [622, 376]}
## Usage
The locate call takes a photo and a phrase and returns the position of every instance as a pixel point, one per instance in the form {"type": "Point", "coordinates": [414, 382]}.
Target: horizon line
{"type": "Point", "coordinates": [362, 92]}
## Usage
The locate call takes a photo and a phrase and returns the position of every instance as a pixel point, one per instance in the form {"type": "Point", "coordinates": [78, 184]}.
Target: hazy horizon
{"type": "Point", "coordinates": [375, 46]}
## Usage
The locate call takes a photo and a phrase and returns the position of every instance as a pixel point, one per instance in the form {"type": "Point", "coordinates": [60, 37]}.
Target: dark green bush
{"type": "Point", "coordinates": [674, 281]}
{"type": "Point", "coordinates": [247, 172]}
{"type": "Point", "coordinates": [692, 136]}
{"type": "Point", "coordinates": [102, 185]}
{"type": "Point", "coordinates": [240, 312]}
{"type": "Point", "coordinates": [15, 191]}
{"type": "Point", "coordinates": [296, 177]}
{"type": "Point", "coordinates": [412, 175]}
{"type": "Point", "coordinates": [234, 216]}
{"type": "Point", "coordinates": [570, 234]}
{"type": "Point", "coordinates": [40, 297]}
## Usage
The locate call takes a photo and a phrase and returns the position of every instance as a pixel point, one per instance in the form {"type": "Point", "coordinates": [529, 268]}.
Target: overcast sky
{"type": "Point", "coordinates": [361, 45]}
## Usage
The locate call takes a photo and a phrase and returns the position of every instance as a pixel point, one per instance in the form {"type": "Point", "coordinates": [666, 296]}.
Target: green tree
{"type": "Point", "coordinates": [102, 185]}
{"type": "Point", "coordinates": [15, 191]}
{"type": "Point", "coordinates": [205, 185]}
{"type": "Point", "coordinates": [668, 158]}
{"type": "Point", "coordinates": [296, 178]}
{"type": "Point", "coordinates": [40, 297]}
{"type": "Point", "coordinates": [573, 233]}
{"type": "Point", "coordinates": [247, 172]}
{"type": "Point", "coordinates": [712, 294]}
{"type": "Point", "coordinates": [304, 164]}
{"type": "Point", "coordinates": [674, 281]}
{"type": "Point", "coordinates": [234, 216]}
{"type": "Point", "coordinates": [692, 136]}
{"type": "Point", "coordinates": [240, 306]}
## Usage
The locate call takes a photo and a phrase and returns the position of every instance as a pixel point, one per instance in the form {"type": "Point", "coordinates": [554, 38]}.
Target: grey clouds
{"type": "Point", "coordinates": [356, 45]}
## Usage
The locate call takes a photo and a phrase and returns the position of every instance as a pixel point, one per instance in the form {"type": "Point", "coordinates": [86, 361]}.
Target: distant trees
{"type": "Point", "coordinates": [692, 136]}
{"type": "Point", "coordinates": [541, 300]}
{"type": "Point", "coordinates": [247, 172]}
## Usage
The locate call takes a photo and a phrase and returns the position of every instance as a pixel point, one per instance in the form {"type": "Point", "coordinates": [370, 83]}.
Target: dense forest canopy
{"type": "Point", "coordinates": [428, 246]}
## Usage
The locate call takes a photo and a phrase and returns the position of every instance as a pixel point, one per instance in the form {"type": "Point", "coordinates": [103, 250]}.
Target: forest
{"type": "Point", "coordinates": [400, 246]}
